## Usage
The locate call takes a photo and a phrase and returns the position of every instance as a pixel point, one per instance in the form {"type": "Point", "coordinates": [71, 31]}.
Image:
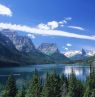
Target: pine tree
{"type": "Point", "coordinates": [46, 87]}
{"type": "Point", "coordinates": [93, 93]}
{"type": "Point", "coordinates": [87, 92]}
{"type": "Point", "coordinates": [64, 90]}
{"type": "Point", "coordinates": [90, 85]}
{"type": "Point", "coordinates": [52, 86]}
{"type": "Point", "coordinates": [55, 85]}
{"type": "Point", "coordinates": [35, 86]}
{"type": "Point", "coordinates": [75, 88]}
{"type": "Point", "coordinates": [63, 85]}
{"type": "Point", "coordinates": [21, 93]}
{"type": "Point", "coordinates": [63, 80]}
{"type": "Point", "coordinates": [10, 89]}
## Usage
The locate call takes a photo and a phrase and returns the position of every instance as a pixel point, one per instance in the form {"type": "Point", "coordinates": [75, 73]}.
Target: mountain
{"type": "Point", "coordinates": [24, 45]}
{"type": "Point", "coordinates": [76, 55]}
{"type": "Point", "coordinates": [16, 49]}
{"type": "Point", "coordinates": [83, 52]}
{"type": "Point", "coordinates": [79, 55]}
{"type": "Point", "coordinates": [8, 53]}
{"type": "Point", "coordinates": [48, 48]}
{"type": "Point", "coordinates": [72, 53]}
{"type": "Point", "coordinates": [52, 50]}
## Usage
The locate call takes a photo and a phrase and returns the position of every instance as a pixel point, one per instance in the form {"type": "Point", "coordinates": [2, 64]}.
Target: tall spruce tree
{"type": "Point", "coordinates": [52, 86]}
{"type": "Point", "coordinates": [10, 89]}
{"type": "Point", "coordinates": [64, 90]}
{"type": "Point", "coordinates": [63, 80]}
{"type": "Point", "coordinates": [63, 86]}
{"type": "Point", "coordinates": [35, 86]}
{"type": "Point", "coordinates": [90, 85]}
{"type": "Point", "coordinates": [55, 85]}
{"type": "Point", "coordinates": [75, 88]}
{"type": "Point", "coordinates": [46, 88]}
{"type": "Point", "coordinates": [21, 93]}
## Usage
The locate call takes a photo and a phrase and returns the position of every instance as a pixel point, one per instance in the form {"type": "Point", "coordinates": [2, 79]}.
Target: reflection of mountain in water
{"type": "Point", "coordinates": [80, 71]}
{"type": "Point", "coordinates": [25, 73]}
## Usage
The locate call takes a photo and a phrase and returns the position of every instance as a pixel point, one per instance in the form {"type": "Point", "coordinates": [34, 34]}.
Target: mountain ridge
{"type": "Point", "coordinates": [22, 51]}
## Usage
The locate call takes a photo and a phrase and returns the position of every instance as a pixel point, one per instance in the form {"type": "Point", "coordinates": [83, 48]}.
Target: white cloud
{"type": "Point", "coordinates": [68, 44]}
{"type": "Point", "coordinates": [50, 25]}
{"type": "Point", "coordinates": [65, 21]}
{"type": "Point", "coordinates": [44, 32]}
{"type": "Point", "coordinates": [43, 26]}
{"type": "Point", "coordinates": [5, 10]}
{"type": "Point", "coordinates": [76, 27]}
{"type": "Point", "coordinates": [53, 24]}
{"type": "Point", "coordinates": [31, 36]}
{"type": "Point", "coordinates": [66, 48]}
{"type": "Point", "coordinates": [68, 18]}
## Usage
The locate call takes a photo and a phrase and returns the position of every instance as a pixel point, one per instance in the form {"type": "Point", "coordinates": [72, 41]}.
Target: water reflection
{"type": "Point", "coordinates": [80, 72]}
{"type": "Point", "coordinates": [25, 73]}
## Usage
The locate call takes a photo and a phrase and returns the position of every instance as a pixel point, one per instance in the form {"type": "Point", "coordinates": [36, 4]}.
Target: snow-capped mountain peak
{"type": "Point", "coordinates": [73, 53]}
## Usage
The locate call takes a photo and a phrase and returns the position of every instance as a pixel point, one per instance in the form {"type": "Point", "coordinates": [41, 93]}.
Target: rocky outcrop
{"type": "Point", "coordinates": [51, 50]}
{"type": "Point", "coordinates": [22, 43]}
{"type": "Point", "coordinates": [48, 48]}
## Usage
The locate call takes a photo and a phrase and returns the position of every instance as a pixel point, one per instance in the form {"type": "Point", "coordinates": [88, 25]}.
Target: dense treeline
{"type": "Point", "coordinates": [53, 86]}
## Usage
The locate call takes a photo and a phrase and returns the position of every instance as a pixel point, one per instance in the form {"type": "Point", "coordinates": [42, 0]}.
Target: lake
{"type": "Point", "coordinates": [24, 73]}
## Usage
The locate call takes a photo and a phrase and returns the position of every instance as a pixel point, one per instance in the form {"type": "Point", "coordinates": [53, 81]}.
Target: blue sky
{"type": "Point", "coordinates": [54, 20]}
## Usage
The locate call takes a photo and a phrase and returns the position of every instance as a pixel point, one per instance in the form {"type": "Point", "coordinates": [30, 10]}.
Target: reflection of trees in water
{"type": "Point", "coordinates": [80, 71]}
{"type": "Point", "coordinates": [86, 71]}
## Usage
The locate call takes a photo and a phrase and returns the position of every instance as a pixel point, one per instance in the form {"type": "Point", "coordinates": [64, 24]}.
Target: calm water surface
{"type": "Point", "coordinates": [24, 73]}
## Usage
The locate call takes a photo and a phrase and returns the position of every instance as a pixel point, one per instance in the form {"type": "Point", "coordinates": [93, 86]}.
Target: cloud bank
{"type": "Point", "coordinates": [43, 32]}
{"type": "Point", "coordinates": [5, 11]}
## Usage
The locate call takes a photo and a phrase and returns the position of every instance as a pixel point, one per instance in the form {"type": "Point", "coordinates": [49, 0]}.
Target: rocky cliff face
{"type": "Point", "coordinates": [83, 52]}
{"type": "Point", "coordinates": [8, 53]}
{"type": "Point", "coordinates": [6, 42]}
{"type": "Point", "coordinates": [51, 49]}
{"type": "Point", "coordinates": [22, 43]}
{"type": "Point", "coordinates": [48, 48]}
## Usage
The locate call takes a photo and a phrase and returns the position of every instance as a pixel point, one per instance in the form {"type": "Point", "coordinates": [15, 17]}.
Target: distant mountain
{"type": "Point", "coordinates": [90, 53]}
{"type": "Point", "coordinates": [48, 48]}
{"type": "Point", "coordinates": [79, 55]}
{"type": "Point", "coordinates": [52, 50]}
{"type": "Point", "coordinates": [83, 52]}
{"type": "Point", "coordinates": [72, 53]}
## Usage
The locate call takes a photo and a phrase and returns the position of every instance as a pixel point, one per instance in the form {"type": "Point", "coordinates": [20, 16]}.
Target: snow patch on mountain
{"type": "Point", "coordinates": [78, 52]}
